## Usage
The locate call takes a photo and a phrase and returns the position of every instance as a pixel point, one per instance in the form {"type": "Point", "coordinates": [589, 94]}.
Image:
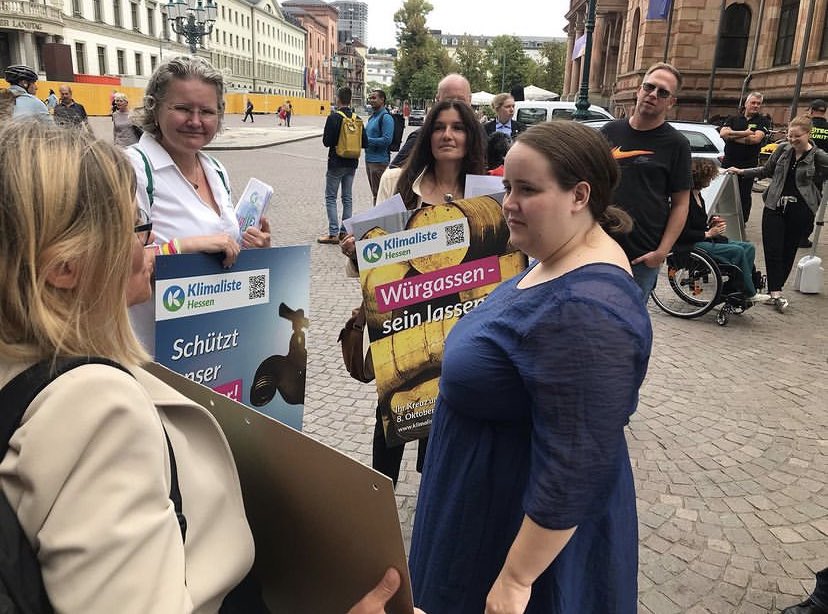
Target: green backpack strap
{"type": "Point", "coordinates": [220, 173]}
{"type": "Point", "coordinates": [148, 171]}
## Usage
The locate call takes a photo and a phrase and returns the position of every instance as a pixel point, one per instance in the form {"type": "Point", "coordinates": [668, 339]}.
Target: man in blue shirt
{"type": "Point", "coordinates": [23, 86]}
{"type": "Point", "coordinates": [379, 132]}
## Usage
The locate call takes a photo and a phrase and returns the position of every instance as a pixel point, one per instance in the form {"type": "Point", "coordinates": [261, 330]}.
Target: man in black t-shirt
{"type": "Point", "coordinates": [655, 174]}
{"type": "Point", "coordinates": [819, 135]}
{"type": "Point", "coordinates": [819, 125]}
{"type": "Point", "coordinates": [743, 136]}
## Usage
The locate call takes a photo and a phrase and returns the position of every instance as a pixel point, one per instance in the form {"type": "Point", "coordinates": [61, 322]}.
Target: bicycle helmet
{"type": "Point", "coordinates": [17, 73]}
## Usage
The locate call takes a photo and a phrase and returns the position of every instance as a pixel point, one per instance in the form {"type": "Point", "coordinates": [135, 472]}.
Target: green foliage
{"type": "Point", "coordinates": [375, 85]}
{"type": "Point", "coordinates": [507, 65]}
{"type": "Point", "coordinates": [421, 62]}
{"type": "Point", "coordinates": [550, 71]}
{"type": "Point", "coordinates": [470, 61]}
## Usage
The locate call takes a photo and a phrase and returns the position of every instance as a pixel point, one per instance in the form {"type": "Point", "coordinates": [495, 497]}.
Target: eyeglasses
{"type": "Point", "coordinates": [143, 227]}
{"type": "Point", "coordinates": [188, 112]}
{"type": "Point", "coordinates": [649, 88]}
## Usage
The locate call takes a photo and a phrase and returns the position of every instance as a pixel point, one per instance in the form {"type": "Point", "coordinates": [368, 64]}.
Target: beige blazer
{"type": "Point", "coordinates": [88, 474]}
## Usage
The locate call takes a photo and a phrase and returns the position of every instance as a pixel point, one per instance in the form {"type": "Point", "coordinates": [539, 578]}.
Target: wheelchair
{"type": "Point", "coordinates": [691, 283]}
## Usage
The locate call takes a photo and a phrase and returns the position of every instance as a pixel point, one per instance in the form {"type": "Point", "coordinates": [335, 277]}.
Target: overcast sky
{"type": "Point", "coordinates": [492, 17]}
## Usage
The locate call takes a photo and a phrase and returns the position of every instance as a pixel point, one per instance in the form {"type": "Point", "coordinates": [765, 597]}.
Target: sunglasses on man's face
{"type": "Point", "coordinates": [649, 88]}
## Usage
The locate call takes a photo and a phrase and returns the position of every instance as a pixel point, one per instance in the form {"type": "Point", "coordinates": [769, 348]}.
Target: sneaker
{"type": "Point", "coordinates": [781, 304]}
{"type": "Point", "coordinates": [758, 298]}
{"type": "Point", "coordinates": [771, 300]}
{"type": "Point", "coordinates": [328, 239]}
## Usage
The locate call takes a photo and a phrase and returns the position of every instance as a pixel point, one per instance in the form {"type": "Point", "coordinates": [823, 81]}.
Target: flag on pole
{"type": "Point", "coordinates": [658, 9]}
{"type": "Point", "coordinates": [579, 47]}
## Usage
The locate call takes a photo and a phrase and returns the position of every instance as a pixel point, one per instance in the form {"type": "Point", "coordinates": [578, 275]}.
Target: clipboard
{"type": "Point", "coordinates": [325, 526]}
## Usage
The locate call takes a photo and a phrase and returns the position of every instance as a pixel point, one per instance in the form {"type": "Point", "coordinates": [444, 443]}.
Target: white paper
{"type": "Point", "coordinates": [482, 185]}
{"type": "Point", "coordinates": [391, 206]}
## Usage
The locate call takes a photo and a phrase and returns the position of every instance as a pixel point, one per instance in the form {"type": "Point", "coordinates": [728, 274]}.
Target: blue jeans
{"type": "Point", "coordinates": [646, 279]}
{"type": "Point", "coordinates": [333, 178]}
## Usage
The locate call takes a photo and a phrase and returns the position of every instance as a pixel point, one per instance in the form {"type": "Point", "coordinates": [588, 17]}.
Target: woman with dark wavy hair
{"type": "Point", "coordinates": [450, 146]}
{"type": "Point", "coordinates": [527, 502]}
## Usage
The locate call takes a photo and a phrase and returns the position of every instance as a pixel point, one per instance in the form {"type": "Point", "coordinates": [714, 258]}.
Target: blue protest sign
{"type": "Point", "coordinates": [240, 331]}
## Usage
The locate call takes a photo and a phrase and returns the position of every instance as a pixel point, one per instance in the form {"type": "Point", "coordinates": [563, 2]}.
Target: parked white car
{"type": "Point", "coordinates": [533, 111]}
{"type": "Point", "coordinates": [704, 139]}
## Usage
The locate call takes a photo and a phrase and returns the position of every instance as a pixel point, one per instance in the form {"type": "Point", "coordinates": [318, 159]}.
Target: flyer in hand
{"type": "Point", "coordinates": [420, 272]}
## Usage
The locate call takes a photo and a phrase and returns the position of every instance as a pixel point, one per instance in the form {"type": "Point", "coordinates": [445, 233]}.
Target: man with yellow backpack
{"type": "Point", "coordinates": [343, 136]}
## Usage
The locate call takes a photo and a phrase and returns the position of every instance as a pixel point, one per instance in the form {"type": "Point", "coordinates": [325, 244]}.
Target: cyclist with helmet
{"type": "Point", "coordinates": [23, 85]}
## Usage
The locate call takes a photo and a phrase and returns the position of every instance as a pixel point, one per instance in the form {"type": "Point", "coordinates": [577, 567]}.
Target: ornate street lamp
{"type": "Point", "coordinates": [193, 19]}
{"type": "Point", "coordinates": [582, 104]}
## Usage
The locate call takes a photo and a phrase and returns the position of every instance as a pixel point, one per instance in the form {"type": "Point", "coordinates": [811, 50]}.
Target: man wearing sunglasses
{"type": "Point", "coordinates": [655, 174]}
{"type": "Point", "coordinates": [743, 136]}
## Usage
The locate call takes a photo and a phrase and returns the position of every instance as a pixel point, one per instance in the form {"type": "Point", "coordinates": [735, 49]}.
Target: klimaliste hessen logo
{"type": "Point", "coordinates": [183, 297]}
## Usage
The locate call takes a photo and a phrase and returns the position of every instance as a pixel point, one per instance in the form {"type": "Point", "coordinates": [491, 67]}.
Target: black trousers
{"type": "Point", "coordinates": [246, 115]}
{"type": "Point", "coordinates": [387, 460]}
{"type": "Point", "coordinates": [746, 195]}
{"type": "Point", "coordinates": [781, 232]}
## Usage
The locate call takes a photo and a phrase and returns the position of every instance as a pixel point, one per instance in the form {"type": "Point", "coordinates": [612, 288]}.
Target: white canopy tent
{"type": "Point", "coordinates": [482, 97]}
{"type": "Point", "coordinates": [531, 92]}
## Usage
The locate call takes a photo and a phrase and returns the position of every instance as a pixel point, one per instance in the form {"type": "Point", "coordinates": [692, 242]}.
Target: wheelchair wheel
{"type": "Point", "coordinates": [688, 289]}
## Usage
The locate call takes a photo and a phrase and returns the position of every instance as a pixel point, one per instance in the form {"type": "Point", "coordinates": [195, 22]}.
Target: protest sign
{"type": "Point", "coordinates": [326, 526]}
{"type": "Point", "coordinates": [240, 331]}
{"type": "Point", "coordinates": [421, 271]}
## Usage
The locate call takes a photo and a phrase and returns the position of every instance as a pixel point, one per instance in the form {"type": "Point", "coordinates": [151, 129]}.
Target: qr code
{"type": "Point", "coordinates": [257, 286]}
{"type": "Point", "coordinates": [456, 233]}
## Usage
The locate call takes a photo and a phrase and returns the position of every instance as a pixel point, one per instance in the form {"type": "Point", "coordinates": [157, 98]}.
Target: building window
{"type": "Point", "coordinates": [787, 31]}
{"type": "Point", "coordinates": [139, 64]}
{"type": "Point", "coordinates": [80, 57]}
{"type": "Point", "coordinates": [133, 9]}
{"type": "Point", "coordinates": [102, 60]}
{"type": "Point", "coordinates": [823, 47]}
{"type": "Point", "coordinates": [151, 21]}
{"type": "Point", "coordinates": [153, 62]}
{"type": "Point", "coordinates": [636, 21]}
{"type": "Point", "coordinates": [97, 11]}
{"type": "Point", "coordinates": [116, 12]}
{"type": "Point", "coordinates": [165, 27]}
{"type": "Point", "coordinates": [735, 33]}
{"type": "Point", "coordinates": [121, 62]}
{"type": "Point", "coordinates": [76, 8]}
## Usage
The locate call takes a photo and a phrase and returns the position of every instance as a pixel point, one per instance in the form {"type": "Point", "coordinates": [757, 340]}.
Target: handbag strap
{"type": "Point", "coordinates": [18, 394]}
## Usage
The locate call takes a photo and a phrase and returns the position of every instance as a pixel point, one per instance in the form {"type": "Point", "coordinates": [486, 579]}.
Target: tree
{"type": "Point", "coordinates": [550, 71]}
{"type": "Point", "coordinates": [421, 62]}
{"type": "Point", "coordinates": [470, 61]}
{"type": "Point", "coordinates": [508, 66]}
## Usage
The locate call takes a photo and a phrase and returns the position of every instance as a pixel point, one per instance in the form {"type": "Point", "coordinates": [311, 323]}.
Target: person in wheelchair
{"type": "Point", "coordinates": [708, 235]}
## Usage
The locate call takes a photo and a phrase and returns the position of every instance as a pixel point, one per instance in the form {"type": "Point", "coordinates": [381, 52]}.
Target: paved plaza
{"type": "Point", "coordinates": [729, 444]}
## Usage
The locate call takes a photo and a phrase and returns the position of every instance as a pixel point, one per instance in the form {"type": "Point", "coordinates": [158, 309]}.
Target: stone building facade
{"type": "Point", "coordinates": [760, 46]}
{"type": "Point", "coordinates": [251, 43]}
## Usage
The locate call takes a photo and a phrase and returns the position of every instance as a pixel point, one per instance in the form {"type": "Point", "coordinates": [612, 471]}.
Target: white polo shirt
{"type": "Point", "coordinates": [177, 212]}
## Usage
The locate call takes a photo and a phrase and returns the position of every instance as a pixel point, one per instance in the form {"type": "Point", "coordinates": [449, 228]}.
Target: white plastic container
{"type": "Point", "coordinates": [809, 275]}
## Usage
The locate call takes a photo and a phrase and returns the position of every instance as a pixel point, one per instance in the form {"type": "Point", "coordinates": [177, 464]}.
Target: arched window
{"type": "Point", "coordinates": [636, 21]}
{"type": "Point", "coordinates": [735, 33]}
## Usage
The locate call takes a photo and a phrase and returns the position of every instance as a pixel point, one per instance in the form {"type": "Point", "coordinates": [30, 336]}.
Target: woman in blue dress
{"type": "Point", "coordinates": [527, 500]}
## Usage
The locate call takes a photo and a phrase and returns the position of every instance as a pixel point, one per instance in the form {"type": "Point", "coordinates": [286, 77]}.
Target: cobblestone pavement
{"type": "Point", "coordinates": [729, 444]}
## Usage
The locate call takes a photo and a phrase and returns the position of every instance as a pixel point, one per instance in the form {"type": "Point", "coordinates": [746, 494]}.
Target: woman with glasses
{"type": "Point", "coordinates": [185, 191]}
{"type": "Point", "coordinates": [89, 470]}
{"type": "Point", "coordinates": [796, 168]}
